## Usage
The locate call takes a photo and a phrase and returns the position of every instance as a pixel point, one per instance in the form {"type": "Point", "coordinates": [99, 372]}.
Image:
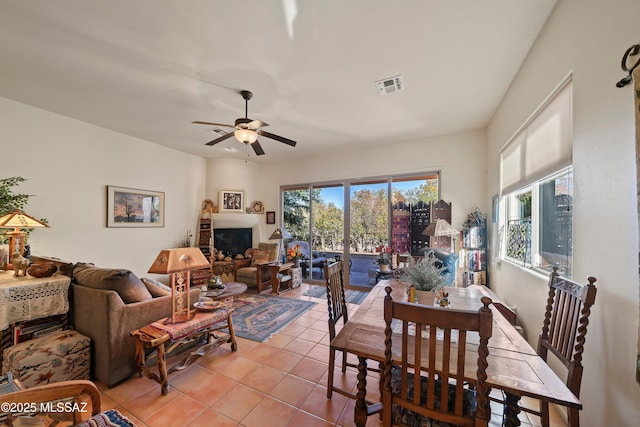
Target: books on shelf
{"type": "Point", "coordinates": [473, 278]}
{"type": "Point", "coordinates": [473, 260]}
{"type": "Point", "coordinates": [30, 329]}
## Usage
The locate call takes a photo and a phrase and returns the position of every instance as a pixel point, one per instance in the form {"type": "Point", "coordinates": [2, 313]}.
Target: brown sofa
{"type": "Point", "coordinates": [107, 304]}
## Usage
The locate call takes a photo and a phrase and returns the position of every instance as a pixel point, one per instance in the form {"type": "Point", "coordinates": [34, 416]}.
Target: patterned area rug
{"type": "Point", "coordinates": [351, 295]}
{"type": "Point", "coordinates": [257, 317]}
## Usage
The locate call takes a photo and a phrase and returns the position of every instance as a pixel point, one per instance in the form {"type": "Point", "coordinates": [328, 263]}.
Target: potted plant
{"type": "Point", "coordinates": [424, 273]}
{"type": "Point", "coordinates": [383, 262]}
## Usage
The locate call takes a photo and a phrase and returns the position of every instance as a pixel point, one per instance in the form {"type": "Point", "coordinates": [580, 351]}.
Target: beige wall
{"type": "Point", "coordinates": [68, 165]}
{"type": "Point", "coordinates": [587, 38]}
{"type": "Point", "coordinates": [458, 157]}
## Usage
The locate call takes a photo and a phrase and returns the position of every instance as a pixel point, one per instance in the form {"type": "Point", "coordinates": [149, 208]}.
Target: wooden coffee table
{"type": "Point", "coordinates": [231, 289]}
{"type": "Point", "coordinates": [166, 338]}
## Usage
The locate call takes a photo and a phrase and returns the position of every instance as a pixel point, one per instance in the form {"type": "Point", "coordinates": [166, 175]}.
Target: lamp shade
{"type": "Point", "coordinates": [180, 259]}
{"type": "Point", "coordinates": [279, 234]}
{"type": "Point", "coordinates": [439, 228]}
{"type": "Point", "coordinates": [247, 136]}
{"type": "Point", "coordinates": [18, 219]}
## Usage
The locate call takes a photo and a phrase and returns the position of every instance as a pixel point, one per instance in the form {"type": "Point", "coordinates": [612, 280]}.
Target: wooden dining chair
{"type": "Point", "coordinates": [429, 381]}
{"type": "Point", "coordinates": [563, 335]}
{"type": "Point", "coordinates": [337, 305]}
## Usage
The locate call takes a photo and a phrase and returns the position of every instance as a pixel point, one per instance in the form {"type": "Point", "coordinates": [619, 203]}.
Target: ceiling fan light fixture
{"type": "Point", "coordinates": [248, 136]}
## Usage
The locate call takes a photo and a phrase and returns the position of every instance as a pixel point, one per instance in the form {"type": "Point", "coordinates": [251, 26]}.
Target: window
{"type": "Point", "coordinates": [537, 188]}
{"type": "Point", "coordinates": [370, 212]}
{"type": "Point", "coordinates": [542, 237]}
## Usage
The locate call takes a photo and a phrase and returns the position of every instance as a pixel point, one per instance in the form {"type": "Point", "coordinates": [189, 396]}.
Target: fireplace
{"type": "Point", "coordinates": [232, 241]}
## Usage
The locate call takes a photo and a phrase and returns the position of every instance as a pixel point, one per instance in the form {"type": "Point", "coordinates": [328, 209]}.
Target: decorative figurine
{"type": "Point", "coordinates": [20, 263]}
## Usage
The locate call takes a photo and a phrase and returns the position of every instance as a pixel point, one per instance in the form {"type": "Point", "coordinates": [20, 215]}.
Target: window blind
{"type": "Point", "coordinates": [542, 145]}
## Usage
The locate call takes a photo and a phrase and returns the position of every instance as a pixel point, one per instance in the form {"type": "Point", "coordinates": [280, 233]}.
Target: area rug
{"type": "Point", "coordinates": [351, 295]}
{"type": "Point", "coordinates": [258, 317]}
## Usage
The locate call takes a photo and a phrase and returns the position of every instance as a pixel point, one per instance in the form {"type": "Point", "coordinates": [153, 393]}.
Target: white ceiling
{"type": "Point", "coordinates": [148, 68]}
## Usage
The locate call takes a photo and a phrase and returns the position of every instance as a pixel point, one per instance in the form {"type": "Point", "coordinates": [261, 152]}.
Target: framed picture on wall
{"type": "Point", "coordinates": [231, 201]}
{"type": "Point", "coordinates": [271, 217]}
{"type": "Point", "coordinates": [129, 207]}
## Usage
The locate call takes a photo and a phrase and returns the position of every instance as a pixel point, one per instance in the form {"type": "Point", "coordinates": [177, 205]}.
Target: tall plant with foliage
{"type": "Point", "coordinates": [10, 201]}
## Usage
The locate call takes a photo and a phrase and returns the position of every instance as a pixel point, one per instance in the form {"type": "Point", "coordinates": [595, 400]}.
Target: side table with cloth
{"type": "Point", "coordinates": [27, 298]}
{"type": "Point", "coordinates": [514, 366]}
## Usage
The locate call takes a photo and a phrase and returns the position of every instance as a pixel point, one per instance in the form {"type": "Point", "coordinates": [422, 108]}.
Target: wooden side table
{"type": "Point", "coordinates": [280, 274]}
{"type": "Point", "coordinates": [166, 338]}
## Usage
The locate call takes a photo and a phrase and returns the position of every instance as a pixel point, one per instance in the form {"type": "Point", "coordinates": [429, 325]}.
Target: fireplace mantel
{"type": "Point", "coordinates": [236, 220]}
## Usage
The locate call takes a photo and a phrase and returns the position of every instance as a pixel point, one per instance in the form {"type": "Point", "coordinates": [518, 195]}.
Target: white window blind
{"type": "Point", "coordinates": [543, 144]}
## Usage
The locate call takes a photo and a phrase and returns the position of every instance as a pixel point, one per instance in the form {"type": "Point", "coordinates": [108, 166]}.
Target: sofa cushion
{"type": "Point", "coordinates": [124, 282]}
{"type": "Point", "coordinates": [155, 288]}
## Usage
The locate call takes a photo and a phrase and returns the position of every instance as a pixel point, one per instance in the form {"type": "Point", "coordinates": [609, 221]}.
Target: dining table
{"type": "Point", "coordinates": [514, 366]}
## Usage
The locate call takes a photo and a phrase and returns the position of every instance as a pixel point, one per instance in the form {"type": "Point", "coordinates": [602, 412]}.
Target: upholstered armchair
{"type": "Point", "coordinates": [447, 260]}
{"type": "Point", "coordinates": [314, 260]}
{"type": "Point", "coordinates": [251, 272]}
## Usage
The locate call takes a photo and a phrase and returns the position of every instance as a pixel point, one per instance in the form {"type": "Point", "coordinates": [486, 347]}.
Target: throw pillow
{"type": "Point", "coordinates": [124, 282]}
{"type": "Point", "coordinates": [272, 248]}
{"type": "Point", "coordinates": [155, 288]}
{"type": "Point", "coordinates": [259, 257]}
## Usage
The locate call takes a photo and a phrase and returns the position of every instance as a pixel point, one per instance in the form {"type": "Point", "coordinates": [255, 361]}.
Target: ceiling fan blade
{"type": "Point", "coordinates": [197, 122]}
{"type": "Point", "coordinates": [255, 124]}
{"type": "Point", "coordinates": [222, 138]}
{"type": "Point", "coordinates": [257, 148]}
{"type": "Point", "coordinates": [277, 138]}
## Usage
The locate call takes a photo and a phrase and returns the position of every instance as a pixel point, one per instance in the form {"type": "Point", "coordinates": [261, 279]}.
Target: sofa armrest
{"type": "Point", "coordinates": [240, 263]}
{"type": "Point", "coordinates": [107, 320]}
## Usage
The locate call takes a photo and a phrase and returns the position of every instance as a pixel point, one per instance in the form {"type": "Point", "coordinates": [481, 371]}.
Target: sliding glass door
{"type": "Point", "coordinates": [314, 216]}
{"type": "Point", "coordinates": [368, 228]}
{"type": "Point", "coordinates": [376, 213]}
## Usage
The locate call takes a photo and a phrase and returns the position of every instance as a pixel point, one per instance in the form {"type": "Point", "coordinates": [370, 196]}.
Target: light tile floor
{"type": "Point", "coordinates": [278, 383]}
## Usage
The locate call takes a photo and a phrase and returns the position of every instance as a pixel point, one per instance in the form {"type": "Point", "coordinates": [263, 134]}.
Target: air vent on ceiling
{"type": "Point", "coordinates": [390, 85]}
{"type": "Point", "coordinates": [218, 131]}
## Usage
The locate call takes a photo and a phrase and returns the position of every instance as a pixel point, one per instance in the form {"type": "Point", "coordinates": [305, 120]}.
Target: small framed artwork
{"type": "Point", "coordinates": [130, 207]}
{"type": "Point", "coordinates": [231, 201]}
{"type": "Point", "coordinates": [271, 217]}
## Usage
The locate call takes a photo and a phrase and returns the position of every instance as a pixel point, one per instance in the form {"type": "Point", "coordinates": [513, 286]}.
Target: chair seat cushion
{"type": "Point", "coordinates": [404, 417]}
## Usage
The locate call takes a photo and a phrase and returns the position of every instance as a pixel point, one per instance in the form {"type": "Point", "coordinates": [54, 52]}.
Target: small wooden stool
{"type": "Point", "coordinates": [167, 337]}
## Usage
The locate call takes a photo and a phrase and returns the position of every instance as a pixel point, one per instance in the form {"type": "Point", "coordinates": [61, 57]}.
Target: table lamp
{"type": "Point", "coordinates": [441, 227]}
{"type": "Point", "coordinates": [178, 263]}
{"type": "Point", "coordinates": [279, 234]}
{"type": "Point", "coordinates": [18, 220]}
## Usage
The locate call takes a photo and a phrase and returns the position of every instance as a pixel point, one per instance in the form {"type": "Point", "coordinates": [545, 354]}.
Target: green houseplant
{"type": "Point", "coordinates": [383, 262]}
{"type": "Point", "coordinates": [424, 273]}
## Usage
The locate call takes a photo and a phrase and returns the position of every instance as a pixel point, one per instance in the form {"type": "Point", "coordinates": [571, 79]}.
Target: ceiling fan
{"type": "Point", "coordinates": [247, 130]}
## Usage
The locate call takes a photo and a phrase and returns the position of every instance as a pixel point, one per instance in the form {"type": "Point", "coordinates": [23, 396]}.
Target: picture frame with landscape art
{"type": "Point", "coordinates": [130, 207]}
{"type": "Point", "coordinates": [231, 201]}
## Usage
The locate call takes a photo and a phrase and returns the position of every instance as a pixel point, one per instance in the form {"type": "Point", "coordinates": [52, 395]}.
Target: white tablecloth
{"type": "Point", "coordinates": [26, 298]}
